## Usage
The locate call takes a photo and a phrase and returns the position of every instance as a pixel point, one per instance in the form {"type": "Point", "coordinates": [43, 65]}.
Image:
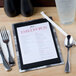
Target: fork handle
{"type": "Point", "coordinates": [5, 63]}
{"type": "Point", "coordinates": [11, 60]}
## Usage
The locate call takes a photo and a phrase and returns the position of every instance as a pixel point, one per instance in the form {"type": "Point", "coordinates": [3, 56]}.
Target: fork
{"type": "Point", "coordinates": [5, 39]}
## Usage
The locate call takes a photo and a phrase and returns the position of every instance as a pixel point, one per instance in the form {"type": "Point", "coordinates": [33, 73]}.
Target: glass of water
{"type": "Point", "coordinates": [66, 10]}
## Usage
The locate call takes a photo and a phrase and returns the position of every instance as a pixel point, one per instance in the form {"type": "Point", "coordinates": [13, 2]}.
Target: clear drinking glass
{"type": "Point", "coordinates": [66, 10]}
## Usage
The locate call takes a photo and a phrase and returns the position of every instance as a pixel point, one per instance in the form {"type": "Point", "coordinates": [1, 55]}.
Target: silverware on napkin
{"type": "Point", "coordinates": [5, 63]}
{"type": "Point", "coordinates": [5, 39]}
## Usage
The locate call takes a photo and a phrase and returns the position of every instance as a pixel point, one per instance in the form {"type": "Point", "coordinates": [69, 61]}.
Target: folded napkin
{"type": "Point", "coordinates": [4, 47]}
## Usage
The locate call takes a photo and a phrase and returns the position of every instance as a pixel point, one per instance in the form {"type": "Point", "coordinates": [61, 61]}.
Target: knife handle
{"type": "Point", "coordinates": [5, 63]}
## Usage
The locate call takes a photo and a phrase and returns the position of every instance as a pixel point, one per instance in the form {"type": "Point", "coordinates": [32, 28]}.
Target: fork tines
{"type": "Point", "coordinates": [4, 34]}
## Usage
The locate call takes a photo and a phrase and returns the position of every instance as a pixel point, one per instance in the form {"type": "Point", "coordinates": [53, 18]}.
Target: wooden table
{"type": "Point", "coordinates": [51, 71]}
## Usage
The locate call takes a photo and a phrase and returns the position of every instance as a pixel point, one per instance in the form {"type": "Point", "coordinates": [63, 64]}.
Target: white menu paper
{"type": "Point", "coordinates": [36, 43]}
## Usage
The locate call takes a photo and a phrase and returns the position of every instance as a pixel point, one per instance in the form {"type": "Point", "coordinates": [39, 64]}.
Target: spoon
{"type": "Point", "coordinates": [68, 44]}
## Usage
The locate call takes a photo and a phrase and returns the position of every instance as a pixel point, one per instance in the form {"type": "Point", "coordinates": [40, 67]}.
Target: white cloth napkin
{"type": "Point", "coordinates": [4, 47]}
